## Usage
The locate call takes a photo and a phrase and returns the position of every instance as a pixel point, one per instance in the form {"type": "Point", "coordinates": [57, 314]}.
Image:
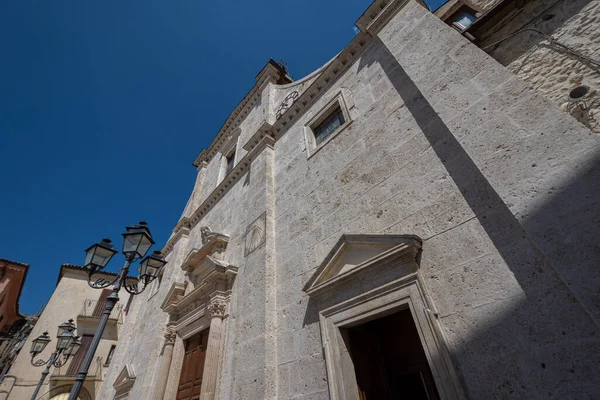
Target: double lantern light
{"type": "Point", "coordinates": [137, 240]}
{"type": "Point", "coordinates": [67, 343]}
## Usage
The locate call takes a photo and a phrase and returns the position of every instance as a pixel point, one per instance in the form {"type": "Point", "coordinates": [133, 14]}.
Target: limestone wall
{"type": "Point", "coordinates": [550, 68]}
{"type": "Point", "coordinates": [448, 145]}
{"type": "Point", "coordinates": [444, 143]}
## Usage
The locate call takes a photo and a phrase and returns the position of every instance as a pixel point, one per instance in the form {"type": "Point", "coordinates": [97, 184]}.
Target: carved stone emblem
{"type": "Point", "coordinates": [217, 309]}
{"type": "Point", "coordinates": [206, 234]}
{"type": "Point", "coordinates": [255, 234]}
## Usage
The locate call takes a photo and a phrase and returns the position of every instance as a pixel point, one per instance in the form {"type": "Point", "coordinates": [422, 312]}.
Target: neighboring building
{"type": "Point", "coordinates": [14, 328]}
{"type": "Point", "coordinates": [12, 279]}
{"type": "Point", "coordinates": [410, 220]}
{"type": "Point", "coordinates": [73, 299]}
{"type": "Point", "coordinates": [552, 45]}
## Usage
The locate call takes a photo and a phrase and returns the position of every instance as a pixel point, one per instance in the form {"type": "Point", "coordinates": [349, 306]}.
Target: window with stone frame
{"type": "Point", "coordinates": [463, 18]}
{"type": "Point", "coordinates": [333, 122]}
{"type": "Point", "coordinates": [326, 124]}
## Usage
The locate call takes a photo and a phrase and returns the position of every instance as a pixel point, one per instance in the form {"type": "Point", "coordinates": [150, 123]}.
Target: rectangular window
{"type": "Point", "coordinates": [463, 18]}
{"type": "Point", "coordinates": [326, 123]}
{"type": "Point", "coordinates": [329, 125]}
{"type": "Point", "coordinates": [230, 162]}
{"type": "Point", "coordinates": [110, 354]}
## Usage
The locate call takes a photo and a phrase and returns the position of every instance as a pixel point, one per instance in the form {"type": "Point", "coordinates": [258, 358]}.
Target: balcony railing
{"type": "Point", "coordinates": [69, 370]}
{"type": "Point", "coordinates": [95, 308]}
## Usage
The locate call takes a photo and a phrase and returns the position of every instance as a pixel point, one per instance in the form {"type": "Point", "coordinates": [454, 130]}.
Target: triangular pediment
{"type": "Point", "coordinates": [125, 379]}
{"type": "Point", "coordinates": [353, 253]}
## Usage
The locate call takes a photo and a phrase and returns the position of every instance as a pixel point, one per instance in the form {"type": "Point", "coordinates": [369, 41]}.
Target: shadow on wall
{"type": "Point", "coordinates": [538, 344]}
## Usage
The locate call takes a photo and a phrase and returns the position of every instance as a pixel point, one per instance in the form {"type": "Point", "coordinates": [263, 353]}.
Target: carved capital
{"type": "Point", "coordinates": [217, 309]}
{"type": "Point", "coordinates": [170, 337]}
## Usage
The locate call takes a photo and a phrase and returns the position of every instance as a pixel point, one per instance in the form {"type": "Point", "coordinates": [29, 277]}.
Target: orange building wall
{"type": "Point", "coordinates": [11, 282]}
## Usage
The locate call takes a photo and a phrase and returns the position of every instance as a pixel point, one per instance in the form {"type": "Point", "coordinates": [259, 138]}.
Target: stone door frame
{"type": "Point", "coordinates": [409, 295]}
{"type": "Point", "coordinates": [350, 291]}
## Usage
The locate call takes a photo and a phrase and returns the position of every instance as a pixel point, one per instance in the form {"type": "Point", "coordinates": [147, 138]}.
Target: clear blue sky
{"type": "Point", "coordinates": [105, 104]}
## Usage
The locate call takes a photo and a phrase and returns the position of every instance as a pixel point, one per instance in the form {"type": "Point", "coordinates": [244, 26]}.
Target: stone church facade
{"type": "Point", "coordinates": [409, 219]}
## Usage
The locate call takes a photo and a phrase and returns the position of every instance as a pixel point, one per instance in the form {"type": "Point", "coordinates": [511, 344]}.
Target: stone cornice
{"type": "Point", "coordinates": [378, 14]}
{"type": "Point", "coordinates": [269, 74]}
{"type": "Point", "coordinates": [330, 73]}
{"type": "Point", "coordinates": [187, 223]}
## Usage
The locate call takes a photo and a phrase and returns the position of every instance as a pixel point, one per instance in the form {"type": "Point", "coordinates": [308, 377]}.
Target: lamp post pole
{"type": "Point", "coordinates": [137, 241]}
{"type": "Point", "coordinates": [67, 346]}
{"type": "Point", "coordinates": [44, 375]}
{"type": "Point", "coordinates": [111, 300]}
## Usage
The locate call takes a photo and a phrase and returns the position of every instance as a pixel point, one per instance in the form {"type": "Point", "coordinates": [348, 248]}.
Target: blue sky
{"type": "Point", "coordinates": [105, 104]}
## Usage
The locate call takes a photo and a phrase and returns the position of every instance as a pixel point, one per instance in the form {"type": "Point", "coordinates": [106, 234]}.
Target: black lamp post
{"type": "Point", "coordinates": [137, 240]}
{"type": "Point", "coordinates": [67, 345]}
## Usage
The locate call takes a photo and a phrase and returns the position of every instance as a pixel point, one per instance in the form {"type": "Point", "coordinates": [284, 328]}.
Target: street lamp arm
{"type": "Point", "coordinates": [39, 362]}
{"type": "Point", "coordinates": [58, 363]}
{"type": "Point", "coordinates": [134, 289]}
{"type": "Point", "coordinates": [100, 283]}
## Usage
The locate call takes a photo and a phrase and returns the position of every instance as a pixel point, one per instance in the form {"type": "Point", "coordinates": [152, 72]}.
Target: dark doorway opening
{"type": "Point", "coordinates": [389, 360]}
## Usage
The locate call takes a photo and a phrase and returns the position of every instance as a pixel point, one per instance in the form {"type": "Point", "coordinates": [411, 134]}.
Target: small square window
{"type": "Point", "coordinates": [463, 18]}
{"type": "Point", "coordinates": [332, 123]}
{"type": "Point", "coordinates": [230, 162]}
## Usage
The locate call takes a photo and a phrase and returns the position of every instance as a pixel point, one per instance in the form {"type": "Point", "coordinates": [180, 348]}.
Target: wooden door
{"type": "Point", "coordinates": [77, 360]}
{"type": "Point", "coordinates": [190, 380]}
{"type": "Point", "coordinates": [99, 309]}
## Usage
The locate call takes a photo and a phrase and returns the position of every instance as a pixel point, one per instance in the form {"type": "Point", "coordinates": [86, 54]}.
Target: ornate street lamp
{"type": "Point", "coordinates": [67, 346]}
{"type": "Point", "coordinates": [137, 240]}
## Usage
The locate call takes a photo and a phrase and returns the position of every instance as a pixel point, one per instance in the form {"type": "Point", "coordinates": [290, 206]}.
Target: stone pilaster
{"type": "Point", "coordinates": [165, 365]}
{"type": "Point", "coordinates": [213, 349]}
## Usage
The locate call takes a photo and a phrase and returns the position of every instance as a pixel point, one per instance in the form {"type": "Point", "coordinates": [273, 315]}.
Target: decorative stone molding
{"type": "Point", "coordinates": [365, 277]}
{"type": "Point", "coordinates": [170, 337]}
{"type": "Point", "coordinates": [213, 246]}
{"type": "Point", "coordinates": [378, 15]}
{"type": "Point", "coordinates": [212, 281]}
{"type": "Point", "coordinates": [271, 73]}
{"type": "Point", "coordinates": [217, 309]}
{"type": "Point", "coordinates": [124, 382]}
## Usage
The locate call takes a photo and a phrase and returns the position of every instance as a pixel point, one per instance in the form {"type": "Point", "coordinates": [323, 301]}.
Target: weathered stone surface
{"type": "Point", "coordinates": [444, 143]}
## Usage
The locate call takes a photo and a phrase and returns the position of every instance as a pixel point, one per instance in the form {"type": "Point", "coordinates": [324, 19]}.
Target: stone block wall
{"type": "Point", "coordinates": [444, 143]}
{"type": "Point", "coordinates": [551, 68]}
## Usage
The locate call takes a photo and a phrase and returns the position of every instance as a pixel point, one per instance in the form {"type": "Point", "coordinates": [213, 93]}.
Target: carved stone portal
{"type": "Point", "coordinates": [206, 305]}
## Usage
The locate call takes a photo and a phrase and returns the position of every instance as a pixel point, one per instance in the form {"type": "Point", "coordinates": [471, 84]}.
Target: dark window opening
{"type": "Point", "coordinates": [389, 360]}
{"type": "Point", "coordinates": [463, 18]}
{"type": "Point", "coordinates": [329, 125]}
{"type": "Point", "coordinates": [230, 162]}
{"type": "Point", "coordinates": [110, 354]}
